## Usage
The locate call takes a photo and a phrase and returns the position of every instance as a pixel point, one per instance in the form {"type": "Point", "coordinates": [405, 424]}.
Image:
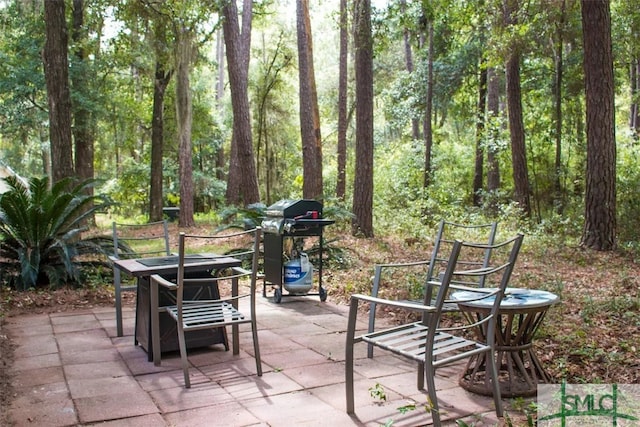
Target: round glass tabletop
{"type": "Point", "coordinates": [513, 298]}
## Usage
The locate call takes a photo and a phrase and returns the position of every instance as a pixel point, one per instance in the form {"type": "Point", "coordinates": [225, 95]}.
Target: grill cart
{"type": "Point", "coordinates": [286, 264]}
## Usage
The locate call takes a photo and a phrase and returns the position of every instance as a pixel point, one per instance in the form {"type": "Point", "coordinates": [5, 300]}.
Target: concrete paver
{"type": "Point", "coordinates": [70, 369]}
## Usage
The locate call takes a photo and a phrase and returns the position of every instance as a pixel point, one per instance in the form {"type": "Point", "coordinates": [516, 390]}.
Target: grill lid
{"type": "Point", "coordinates": [287, 208]}
{"type": "Point", "coordinates": [291, 216]}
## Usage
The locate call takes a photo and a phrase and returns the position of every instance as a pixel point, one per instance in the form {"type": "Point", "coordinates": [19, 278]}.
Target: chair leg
{"type": "Point", "coordinates": [118, 296]}
{"type": "Point", "coordinates": [420, 376]}
{"type": "Point", "coordinates": [493, 371]}
{"type": "Point", "coordinates": [256, 348]}
{"type": "Point", "coordinates": [183, 356]}
{"type": "Point", "coordinates": [433, 398]}
{"type": "Point", "coordinates": [351, 328]}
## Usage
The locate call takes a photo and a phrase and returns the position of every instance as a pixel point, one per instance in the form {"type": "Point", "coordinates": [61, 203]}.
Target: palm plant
{"type": "Point", "coordinates": [41, 240]}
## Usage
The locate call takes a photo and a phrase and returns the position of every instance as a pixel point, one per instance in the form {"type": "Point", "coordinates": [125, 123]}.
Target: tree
{"type": "Point", "coordinates": [309, 114]}
{"type": "Point", "coordinates": [242, 180]}
{"type": "Point", "coordinates": [408, 58]}
{"type": "Point", "coordinates": [277, 58]}
{"type": "Point", "coordinates": [184, 114]}
{"type": "Point", "coordinates": [83, 117]}
{"type": "Point", "coordinates": [56, 68]}
{"type": "Point", "coordinates": [427, 128]}
{"type": "Point", "coordinates": [493, 133]}
{"type": "Point", "coordinates": [600, 197]}
{"type": "Point", "coordinates": [516, 124]}
{"type": "Point", "coordinates": [161, 81]}
{"type": "Point", "coordinates": [478, 170]}
{"type": "Point", "coordinates": [162, 76]}
{"type": "Point", "coordinates": [342, 102]}
{"type": "Point", "coordinates": [362, 223]}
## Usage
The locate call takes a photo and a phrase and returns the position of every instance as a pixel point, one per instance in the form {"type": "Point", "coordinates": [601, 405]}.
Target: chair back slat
{"type": "Point", "coordinates": [141, 240]}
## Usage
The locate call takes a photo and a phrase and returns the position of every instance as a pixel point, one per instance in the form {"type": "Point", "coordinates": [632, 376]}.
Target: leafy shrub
{"type": "Point", "coordinates": [41, 240]}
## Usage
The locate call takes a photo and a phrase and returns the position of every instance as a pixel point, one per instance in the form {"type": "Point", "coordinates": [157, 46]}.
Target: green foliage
{"type": "Point", "coordinates": [244, 218]}
{"type": "Point", "coordinates": [628, 190]}
{"type": "Point", "coordinates": [41, 240]}
{"type": "Point", "coordinates": [378, 393]}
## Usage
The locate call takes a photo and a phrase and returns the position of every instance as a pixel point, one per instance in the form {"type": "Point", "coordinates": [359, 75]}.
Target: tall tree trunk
{"type": "Point", "coordinates": [428, 119]}
{"type": "Point", "coordinates": [242, 180]}
{"type": "Point", "coordinates": [342, 102]}
{"type": "Point", "coordinates": [161, 81]}
{"type": "Point", "coordinates": [83, 129]}
{"type": "Point", "coordinates": [220, 160]}
{"type": "Point", "coordinates": [557, 95]}
{"type": "Point", "coordinates": [516, 124]}
{"type": "Point", "coordinates": [309, 114]}
{"type": "Point", "coordinates": [362, 223]}
{"type": "Point", "coordinates": [634, 111]}
{"type": "Point", "coordinates": [184, 114]}
{"type": "Point", "coordinates": [493, 110]}
{"type": "Point", "coordinates": [600, 199]}
{"type": "Point", "coordinates": [408, 58]}
{"type": "Point", "coordinates": [478, 172]}
{"type": "Point", "coordinates": [56, 70]}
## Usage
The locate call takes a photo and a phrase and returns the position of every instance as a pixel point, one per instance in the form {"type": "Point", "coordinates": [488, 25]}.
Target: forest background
{"type": "Point", "coordinates": [442, 146]}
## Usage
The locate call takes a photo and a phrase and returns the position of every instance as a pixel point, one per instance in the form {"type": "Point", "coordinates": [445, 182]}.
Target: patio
{"type": "Point", "coordinates": [70, 368]}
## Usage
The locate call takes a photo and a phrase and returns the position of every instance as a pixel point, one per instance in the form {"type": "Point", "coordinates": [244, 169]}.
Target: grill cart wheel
{"type": "Point", "coordinates": [323, 294]}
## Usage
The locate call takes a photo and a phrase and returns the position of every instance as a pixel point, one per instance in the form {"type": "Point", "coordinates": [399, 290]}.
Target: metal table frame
{"type": "Point", "coordinates": [521, 313]}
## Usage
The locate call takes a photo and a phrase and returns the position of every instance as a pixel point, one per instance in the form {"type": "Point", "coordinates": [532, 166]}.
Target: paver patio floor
{"type": "Point", "coordinates": [71, 369]}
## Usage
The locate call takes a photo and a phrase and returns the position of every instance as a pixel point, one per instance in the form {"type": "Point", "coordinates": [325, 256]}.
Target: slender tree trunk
{"type": "Point", "coordinates": [161, 81]}
{"type": "Point", "coordinates": [342, 103]}
{"type": "Point", "coordinates": [600, 199]}
{"type": "Point", "coordinates": [362, 223]}
{"type": "Point", "coordinates": [634, 113]}
{"type": "Point", "coordinates": [184, 114]}
{"type": "Point", "coordinates": [309, 114]}
{"type": "Point", "coordinates": [408, 58]}
{"type": "Point", "coordinates": [478, 172]}
{"type": "Point", "coordinates": [83, 129]}
{"type": "Point", "coordinates": [220, 159]}
{"type": "Point", "coordinates": [56, 70]}
{"type": "Point", "coordinates": [559, 68]}
{"type": "Point", "coordinates": [428, 119]}
{"type": "Point", "coordinates": [242, 180]}
{"type": "Point", "coordinates": [493, 107]}
{"type": "Point", "coordinates": [516, 123]}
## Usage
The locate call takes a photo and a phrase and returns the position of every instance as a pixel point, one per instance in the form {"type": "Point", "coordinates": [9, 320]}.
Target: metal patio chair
{"type": "Point", "coordinates": [430, 343]}
{"type": "Point", "coordinates": [225, 310]}
{"type": "Point", "coordinates": [418, 276]}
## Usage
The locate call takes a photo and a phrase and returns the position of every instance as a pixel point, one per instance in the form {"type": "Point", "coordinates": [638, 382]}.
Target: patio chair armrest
{"type": "Point", "coordinates": [403, 264]}
{"type": "Point", "coordinates": [163, 282]}
{"type": "Point", "coordinates": [377, 277]}
{"type": "Point", "coordinates": [399, 304]}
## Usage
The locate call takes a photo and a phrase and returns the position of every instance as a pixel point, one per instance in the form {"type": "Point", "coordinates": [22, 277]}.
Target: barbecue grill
{"type": "Point", "coordinates": [285, 227]}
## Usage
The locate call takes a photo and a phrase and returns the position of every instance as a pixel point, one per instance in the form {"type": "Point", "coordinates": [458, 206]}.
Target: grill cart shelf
{"type": "Point", "coordinates": [286, 226]}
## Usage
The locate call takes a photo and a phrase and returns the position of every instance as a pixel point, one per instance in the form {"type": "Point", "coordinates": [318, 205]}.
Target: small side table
{"type": "Point", "coordinates": [519, 370]}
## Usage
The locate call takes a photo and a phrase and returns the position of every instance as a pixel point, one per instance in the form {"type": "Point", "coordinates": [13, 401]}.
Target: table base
{"type": "Point", "coordinates": [519, 374]}
{"type": "Point", "coordinates": [168, 327]}
{"type": "Point", "coordinates": [519, 370]}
